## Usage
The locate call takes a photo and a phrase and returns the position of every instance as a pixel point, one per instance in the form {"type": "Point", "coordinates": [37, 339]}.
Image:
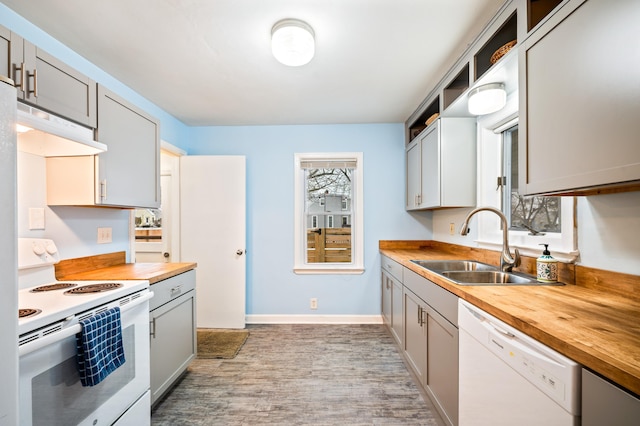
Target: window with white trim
{"type": "Point", "coordinates": [326, 183]}
{"type": "Point", "coordinates": [533, 220]}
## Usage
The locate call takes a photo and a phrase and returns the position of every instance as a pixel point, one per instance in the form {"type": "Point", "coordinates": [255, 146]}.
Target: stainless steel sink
{"type": "Point", "coordinates": [489, 278]}
{"type": "Point", "coordinates": [454, 265]}
{"type": "Point", "coordinates": [473, 273]}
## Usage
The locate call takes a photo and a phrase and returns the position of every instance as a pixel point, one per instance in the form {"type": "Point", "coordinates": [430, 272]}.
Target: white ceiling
{"type": "Point", "coordinates": [209, 62]}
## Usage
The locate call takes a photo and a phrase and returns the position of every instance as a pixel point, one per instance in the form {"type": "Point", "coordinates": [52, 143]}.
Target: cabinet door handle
{"type": "Point", "coordinates": [422, 316]}
{"type": "Point", "coordinates": [103, 189]}
{"type": "Point", "coordinates": [35, 82]}
{"type": "Point", "coordinates": [152, 328]}
{"type": "Point", "coordinates": [23, 75]}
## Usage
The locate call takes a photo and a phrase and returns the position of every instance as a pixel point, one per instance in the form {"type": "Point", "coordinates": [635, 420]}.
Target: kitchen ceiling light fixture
{"type": "Point", "coordinates": [487, 98]}
{"type": "Point", "coordinates": [292, 42]}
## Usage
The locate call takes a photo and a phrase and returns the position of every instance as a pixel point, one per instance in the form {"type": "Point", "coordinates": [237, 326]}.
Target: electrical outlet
{"type": "Point", "coordinates": [452, 228]}
{"type": "Point", "coordinates": [313, 303]}
{"type": "Point", "coordinates": [104, 235]}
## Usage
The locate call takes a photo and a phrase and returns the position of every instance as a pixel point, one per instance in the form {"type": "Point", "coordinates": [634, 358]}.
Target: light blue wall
{"type": "Point", "coordinates": [172, 130]}
{"type": "Point", "coordinates": [272, 287]}
{"type": "Point", "coordinates": [75, 228]}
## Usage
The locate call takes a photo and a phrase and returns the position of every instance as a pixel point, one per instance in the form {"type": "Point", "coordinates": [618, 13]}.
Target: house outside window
{"type": "Point", "coordinates": [326, 183]}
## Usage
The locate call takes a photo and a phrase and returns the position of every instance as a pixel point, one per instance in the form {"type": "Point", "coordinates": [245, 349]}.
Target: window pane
{"type": "Point", "coordinates": [328, 197]}
{"type": "Point", "coordinates": [532, 213]}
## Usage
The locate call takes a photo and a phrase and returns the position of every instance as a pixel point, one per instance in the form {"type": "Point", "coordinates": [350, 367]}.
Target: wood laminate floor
{"type": "Point", "coordinates": [301, 375]}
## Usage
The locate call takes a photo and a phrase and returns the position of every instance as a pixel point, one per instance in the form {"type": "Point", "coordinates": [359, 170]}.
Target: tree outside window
{"type": "Point", "coordinates": [329, 213]}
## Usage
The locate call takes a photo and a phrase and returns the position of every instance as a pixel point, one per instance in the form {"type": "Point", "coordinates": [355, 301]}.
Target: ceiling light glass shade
{"type": "Point", "coordinates": [292, 42]}
{"type": "Point", "coordinates": [487, 99]}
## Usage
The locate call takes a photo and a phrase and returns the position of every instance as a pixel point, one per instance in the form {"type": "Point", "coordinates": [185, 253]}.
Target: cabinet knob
{"type": "Point", "coordinates": [239, 252]}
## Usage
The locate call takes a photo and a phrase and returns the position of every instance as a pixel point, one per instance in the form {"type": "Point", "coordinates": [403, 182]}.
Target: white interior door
{"type": "Point", "coordinates": [213, 234]}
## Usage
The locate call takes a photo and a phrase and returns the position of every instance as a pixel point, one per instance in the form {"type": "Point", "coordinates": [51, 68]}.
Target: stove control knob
{"type": "Point", "coordinates": [51, 248]}
{"type": "Point", "coordinates": [38, 248]}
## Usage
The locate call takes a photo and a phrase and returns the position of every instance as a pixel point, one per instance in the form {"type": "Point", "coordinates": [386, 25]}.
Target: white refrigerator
{"type": "Point", "coordinates": [8, 256]}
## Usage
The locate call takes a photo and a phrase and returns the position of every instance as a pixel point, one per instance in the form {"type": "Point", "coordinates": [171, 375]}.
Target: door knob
{"type": "Point", "coordinates": [239, 252]}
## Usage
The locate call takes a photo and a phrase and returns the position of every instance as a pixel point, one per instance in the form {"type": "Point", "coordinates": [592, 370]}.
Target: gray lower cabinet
{"type": "Point", "coordinates": [415, 334]}
{"type": "Point", "coordinates": [606, 404]}
{"type": "Point", "coordinates": [172, 331]}
{"type": "Point", "coordinates": [387, 294]}
{"type": "Point", "coordinates": [392, 273]}
{"type": "Point", "coordinates": [442, 360]}
{"type": "Point", "coordinates": [397, 324]}
{"type": "Point", "coordinates": [431, 341]}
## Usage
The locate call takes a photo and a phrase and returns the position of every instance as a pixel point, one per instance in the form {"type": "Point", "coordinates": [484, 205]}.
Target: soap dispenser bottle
{"type": "Point", "coordinates": [547, 266]}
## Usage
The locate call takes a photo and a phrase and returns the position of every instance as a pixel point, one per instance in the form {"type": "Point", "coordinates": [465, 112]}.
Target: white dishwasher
{"type": "Point", "coordinates": [508, 378]}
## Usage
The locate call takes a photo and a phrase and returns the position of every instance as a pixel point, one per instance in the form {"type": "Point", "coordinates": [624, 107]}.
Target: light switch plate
{"type": "Point", "coordinates": [36, 218]}
{"type": "Point", "coordinates": [104, 235]}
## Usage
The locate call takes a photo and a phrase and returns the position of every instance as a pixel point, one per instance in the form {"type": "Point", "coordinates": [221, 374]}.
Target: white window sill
{"type": "Point", "coordinates": [328, 271]}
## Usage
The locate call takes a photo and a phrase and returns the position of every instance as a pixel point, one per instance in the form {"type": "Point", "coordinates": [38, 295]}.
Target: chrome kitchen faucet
{"type": "Point", "coordinates": [507, 261]}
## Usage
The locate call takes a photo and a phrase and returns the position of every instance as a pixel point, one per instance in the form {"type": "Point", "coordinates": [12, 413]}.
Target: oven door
{"type": "Point", "coordinates": [50, 388]}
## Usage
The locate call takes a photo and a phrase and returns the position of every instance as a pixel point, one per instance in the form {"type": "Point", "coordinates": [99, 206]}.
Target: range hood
{"type": "Point", "coordinates": [44, 134]}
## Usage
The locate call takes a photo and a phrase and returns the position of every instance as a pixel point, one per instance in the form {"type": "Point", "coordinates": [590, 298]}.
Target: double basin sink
{"type": "Point", "coordinates": [471, 272]}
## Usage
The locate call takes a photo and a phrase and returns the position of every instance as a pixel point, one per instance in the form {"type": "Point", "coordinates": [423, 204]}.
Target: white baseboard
{"type": "Point", "coordinates": [314, 319]}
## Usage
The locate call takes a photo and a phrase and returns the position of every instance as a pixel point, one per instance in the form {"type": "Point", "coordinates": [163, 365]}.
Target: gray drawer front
{"type": "Point", "coordinates": [444, 302]}
{"type": "Point", "coordinates": [166, 290]}
{"type": "Point", "coordinates": [392, 267]}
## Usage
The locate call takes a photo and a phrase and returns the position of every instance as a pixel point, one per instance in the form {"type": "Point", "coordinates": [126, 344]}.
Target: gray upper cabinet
{"type": "Point", "coordinates": [126, 175]}
{"type": "Point", "coordinates": [129, 172]}
{"type": "Point", "coordinates": [441, 165]}
{"type": "Point", "coordinates": [580, 100]}
{"type": "Point", "coordinates": [46, 82]}
{"type": "Point", "coordinates": [5, 52]}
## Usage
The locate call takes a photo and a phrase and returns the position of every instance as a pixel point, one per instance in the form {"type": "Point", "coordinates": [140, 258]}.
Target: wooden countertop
{"type": "Point", "coordinates": [112, 266]}
{"type": "Point", "coordinates": [595, 325]}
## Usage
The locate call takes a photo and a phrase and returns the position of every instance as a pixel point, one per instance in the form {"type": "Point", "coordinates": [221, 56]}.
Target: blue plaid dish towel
{"type": "Point", "coordinates": [100, 349]}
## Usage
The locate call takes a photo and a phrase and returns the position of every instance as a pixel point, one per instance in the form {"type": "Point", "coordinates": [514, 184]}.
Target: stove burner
{"type": "Point", "coordinates": [25, 313]}
{"type": "Point", "coordinates": [93, 288]}
{"type": "Point", "coordinates": [51, 287]}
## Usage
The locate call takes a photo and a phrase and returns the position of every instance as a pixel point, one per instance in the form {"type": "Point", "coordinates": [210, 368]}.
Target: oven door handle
{"type": "Point", "coordinates": [27, 348]}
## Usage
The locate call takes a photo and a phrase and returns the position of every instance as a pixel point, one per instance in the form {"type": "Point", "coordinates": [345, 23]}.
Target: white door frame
{"type": "Point", "coordinates": [169, 166]}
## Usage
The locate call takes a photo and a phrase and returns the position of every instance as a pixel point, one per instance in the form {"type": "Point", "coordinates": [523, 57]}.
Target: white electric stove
{"type": "Point", "coordinates": [50, 316]}
{"type": "Point", "coordinates": [43, 300]}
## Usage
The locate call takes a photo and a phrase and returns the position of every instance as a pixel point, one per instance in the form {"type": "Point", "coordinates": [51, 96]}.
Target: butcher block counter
{"type": "Point", "coordinates": [594, 319]}
{"type": "Point", "coordinates": [113, 266]}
